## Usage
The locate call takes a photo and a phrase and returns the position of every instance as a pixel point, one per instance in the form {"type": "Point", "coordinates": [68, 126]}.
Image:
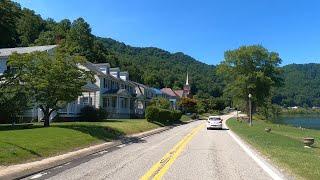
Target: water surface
{"type": "Point", "coordinates": [312, 122]}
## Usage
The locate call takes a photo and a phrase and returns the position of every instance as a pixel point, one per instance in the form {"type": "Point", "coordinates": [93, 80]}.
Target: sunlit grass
{"type": "Point", "coordinates": [283, 145]}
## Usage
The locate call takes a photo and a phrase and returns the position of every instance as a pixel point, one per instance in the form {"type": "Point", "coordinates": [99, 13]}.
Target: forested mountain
{"type": "Point", "coordinates": [149, 65]}
{"type": "Point", "coordinates": [159, 68]}
{"type": "Point", "coordinates": [301, 86]}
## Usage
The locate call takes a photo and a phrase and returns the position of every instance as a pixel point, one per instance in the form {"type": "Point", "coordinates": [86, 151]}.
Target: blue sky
{"type": "Point", "coordinates": [203, 29]}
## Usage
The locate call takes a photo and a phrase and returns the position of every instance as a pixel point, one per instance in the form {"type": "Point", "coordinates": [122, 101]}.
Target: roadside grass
{"type": "Point", "coordinates": [283, 145]}
{"type": "Point", "coordinates": [27, 143]}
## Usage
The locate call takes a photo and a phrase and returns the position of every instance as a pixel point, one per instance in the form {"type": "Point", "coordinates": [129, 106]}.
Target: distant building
{"type": "Point", "coordinates": [171, 96]}
{"type": "Point", "coordinates": [186, 91]}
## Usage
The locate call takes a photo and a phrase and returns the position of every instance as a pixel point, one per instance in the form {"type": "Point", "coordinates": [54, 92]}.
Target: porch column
{"type": "Point", "coordinates": [95, 98]}
{"type": "Point", "coordinates": [118, 105]}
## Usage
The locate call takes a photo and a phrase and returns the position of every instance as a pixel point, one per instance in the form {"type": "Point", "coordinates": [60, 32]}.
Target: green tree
{"type": "Point", "coordinates": [14, 98]}
{"type": "Point", "coordinates": [29, 27]}
{"type": "Point", "coordinates": [187, 105]}
{"type": "Point", "coordinates": [52, 79]}
{"type": "Point", "coordinates": [160, 102]}
{"type": "Point", "coordinates": [250, 69]}
{"type": "Point", "coordinates": [79, 40]}
{"type": "Point", "coordinates": [9, 15]}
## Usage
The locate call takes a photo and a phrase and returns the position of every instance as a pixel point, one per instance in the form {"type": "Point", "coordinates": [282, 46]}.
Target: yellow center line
{"type": "Point", "coordinates": [162, 166]}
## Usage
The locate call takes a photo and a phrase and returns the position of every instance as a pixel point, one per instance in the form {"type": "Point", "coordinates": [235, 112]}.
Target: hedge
{"type": "Point", "coordinates": [162, 115]}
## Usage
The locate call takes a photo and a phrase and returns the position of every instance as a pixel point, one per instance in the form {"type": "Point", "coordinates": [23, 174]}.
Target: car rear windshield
{"type": "Point", "coordinates": [214, 119]}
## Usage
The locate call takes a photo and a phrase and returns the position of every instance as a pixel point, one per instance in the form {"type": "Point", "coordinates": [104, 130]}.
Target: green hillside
{"type": "Point", "coordinates": [159, 68]}
{"type": "Point", "coordinates": [301, 86]}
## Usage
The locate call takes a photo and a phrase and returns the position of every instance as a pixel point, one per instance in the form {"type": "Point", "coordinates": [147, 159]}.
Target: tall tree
{"type": "Point", "coordinates": [52, 79]}
{"type": "Point", "coordinates": [29, 27]}
{"type": "Point", "coordinates": [250, 69]}
{"type": "Point", "coordinates": [9, 15]}
{"type": "Point", "coordinates": [79, 40]}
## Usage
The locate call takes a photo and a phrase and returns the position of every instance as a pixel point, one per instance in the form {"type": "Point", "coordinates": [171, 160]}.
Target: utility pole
{"type": "Point", "coordinates": [250, 110]}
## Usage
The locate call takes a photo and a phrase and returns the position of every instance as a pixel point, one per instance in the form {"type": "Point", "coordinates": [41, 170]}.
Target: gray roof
{"type": "Point", "coordinates": [124, 73]}
{"type": "Point", "coordinates": [101, 64]}
{"type": "Point", "coordinates": [95, 69]}
{"type": "Point", "coordinates": [5, 52]}
{"type": "Point", "coordinates": [115, 69]}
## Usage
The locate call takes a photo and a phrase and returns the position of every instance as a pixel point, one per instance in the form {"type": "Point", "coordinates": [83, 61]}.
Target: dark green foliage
{"type": "Point", "coordinates": [52, 80]}
{"type": "Point", "coordinates": [14, 99]}
{"type": "Point", "coordinates": [301, 86]}
{"type": "Point", "coordinates": [29, 27]}
{"type": "Point", "coordinates": [187, 105]}
{"type": "Point", "coordinates": [158, 68]}
{"type": "Point", "coordinates": [152, 113]}
{"type": "Point", "coordinates": [250, 70]}
{"type": "Point", "coordinates": [176, 115]}
{"type": "Point", "coordinates": [92, 114]}
{"type": "Point", "coordinates": [164, 116]}
{"type": "Point", "coordinates": [160, 102]}
{"type": "Point", "coordinates": [9, 15]}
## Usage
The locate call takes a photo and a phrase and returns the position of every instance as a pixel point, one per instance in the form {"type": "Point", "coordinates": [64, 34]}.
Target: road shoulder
{"type": "Point", "coordinates": [262, 161]}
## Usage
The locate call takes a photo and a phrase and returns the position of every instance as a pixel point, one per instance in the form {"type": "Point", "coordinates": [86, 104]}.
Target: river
{"type": "Point", "coordinates": [312, 122]}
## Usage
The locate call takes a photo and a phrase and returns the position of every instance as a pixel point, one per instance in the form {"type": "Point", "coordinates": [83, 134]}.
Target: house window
{"type": "Point", "coordinates": [104, 82]}
{"type": "Point", "coordinates": [86, 100]}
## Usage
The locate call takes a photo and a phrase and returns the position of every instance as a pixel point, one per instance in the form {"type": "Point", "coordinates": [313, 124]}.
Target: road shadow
{"type": "Point", "coordinates": [223, 129]}
{"type": "Point", "coordinates": [128, 140]}
{"type": "Point", "coordinates": [10, 127]}
{"type": "Point", "coordinates": [99, 132]}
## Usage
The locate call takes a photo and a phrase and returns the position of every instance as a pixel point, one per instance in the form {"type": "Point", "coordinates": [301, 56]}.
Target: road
{"type": "Point", "coordinates": [194, 153]}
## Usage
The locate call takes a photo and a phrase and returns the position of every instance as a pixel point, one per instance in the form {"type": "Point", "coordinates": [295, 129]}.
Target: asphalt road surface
{"type": "Point", "coordinates": [185, 152]}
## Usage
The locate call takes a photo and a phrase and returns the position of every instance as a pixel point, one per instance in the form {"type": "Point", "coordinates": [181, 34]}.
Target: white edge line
{"type": "Point", "coordinates": [254, 157]}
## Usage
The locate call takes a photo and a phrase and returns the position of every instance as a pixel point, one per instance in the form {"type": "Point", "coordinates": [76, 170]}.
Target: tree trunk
{"type": "Point", "coordinates": [46, 120]}
{"type": "Point", "coordinates": [46, 117]}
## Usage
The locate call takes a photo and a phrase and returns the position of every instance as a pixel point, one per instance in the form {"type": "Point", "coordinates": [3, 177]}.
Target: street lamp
{"type": "Point", "coordinates": [250, 110]}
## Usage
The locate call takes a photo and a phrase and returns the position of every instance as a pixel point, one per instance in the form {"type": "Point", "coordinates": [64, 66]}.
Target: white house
{"type": "Point", "coordinates": [6, 52]}
{"type": "Point", "coordinates": [110, 91]}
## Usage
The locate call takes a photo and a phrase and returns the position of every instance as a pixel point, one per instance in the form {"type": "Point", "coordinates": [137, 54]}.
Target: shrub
{"type": "Point", "coordinates": [176, 115]}
{"type": "Point", "coordinates": [164, 116]}
{"type": "Point", "coordinates": [194, 116]}
{"type": "Point", "coordinates": [152, 113]}
{"type": "Point", "coordinates": [89, 113]}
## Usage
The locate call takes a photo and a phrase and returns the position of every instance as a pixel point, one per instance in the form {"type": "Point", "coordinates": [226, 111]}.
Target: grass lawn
{"type": "Point", "coordinates": [283, 145]}
{"type": "Point", "coordinates": [20, 144]}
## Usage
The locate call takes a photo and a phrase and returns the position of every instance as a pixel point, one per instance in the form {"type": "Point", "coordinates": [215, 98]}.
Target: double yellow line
{"type": "Point", "coordinates": [162, 166]}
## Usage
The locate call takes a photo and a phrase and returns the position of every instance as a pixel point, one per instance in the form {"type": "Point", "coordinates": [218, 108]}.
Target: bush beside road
{"type": "Point", "coordinates": [283, 145]}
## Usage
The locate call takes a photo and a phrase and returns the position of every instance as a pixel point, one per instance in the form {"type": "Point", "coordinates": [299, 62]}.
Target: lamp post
{"type": "Point", "coordinates": [250, 110]}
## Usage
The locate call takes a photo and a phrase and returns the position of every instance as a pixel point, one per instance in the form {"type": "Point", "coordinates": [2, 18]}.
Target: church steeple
{"type": "Point", "coordinates": [186, 88]}
{"type": "Point", "coordinates": [187, 81]}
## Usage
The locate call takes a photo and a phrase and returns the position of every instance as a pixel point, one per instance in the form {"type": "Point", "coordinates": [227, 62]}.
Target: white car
{"type": "Point", "coordinates": [214, 122]}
